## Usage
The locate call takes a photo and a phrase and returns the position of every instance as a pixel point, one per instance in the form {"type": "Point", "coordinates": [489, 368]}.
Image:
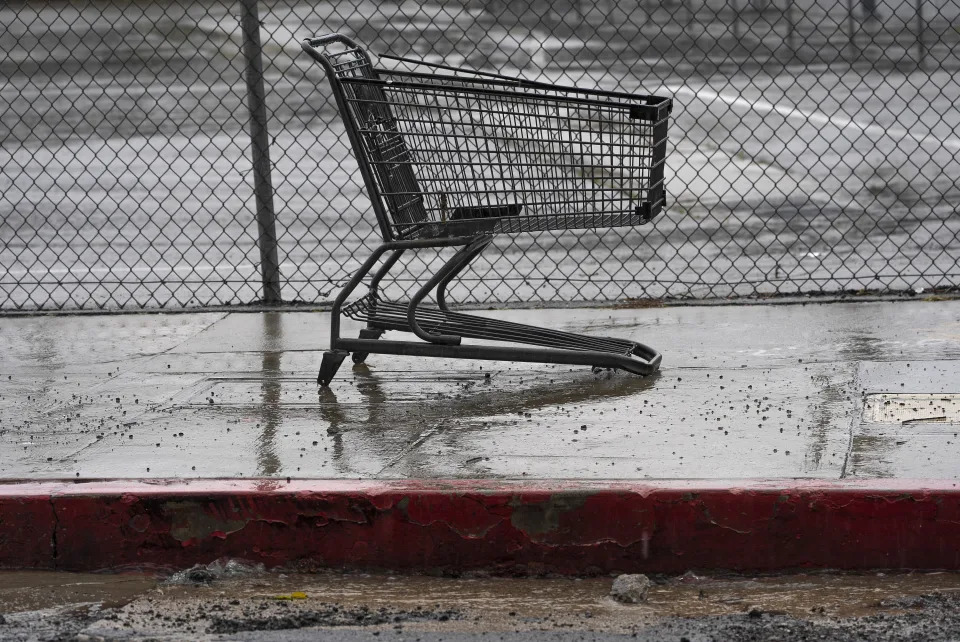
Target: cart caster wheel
{"type": "Point", "coordinates": [329, 366]}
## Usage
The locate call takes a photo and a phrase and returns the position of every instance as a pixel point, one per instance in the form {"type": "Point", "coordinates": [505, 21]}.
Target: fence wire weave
{"type": "Point", "coordinates": [813, 147]}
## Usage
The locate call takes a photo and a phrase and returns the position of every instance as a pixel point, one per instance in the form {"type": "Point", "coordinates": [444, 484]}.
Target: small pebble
{"type": "Point", "coordinates": [630, 589]}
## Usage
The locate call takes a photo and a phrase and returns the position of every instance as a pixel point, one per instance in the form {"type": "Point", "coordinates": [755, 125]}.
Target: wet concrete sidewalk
{"type": "Point", "coordinates": [825, 391]}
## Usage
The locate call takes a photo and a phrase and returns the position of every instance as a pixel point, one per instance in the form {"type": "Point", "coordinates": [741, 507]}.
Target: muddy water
{"type": "Point", "coordinates": [798, 595]}
{"type": "Point", "coordinates": [565, 601]}
{"type": "Point", "coordinates": [34, 590]}
{"type": "Point", "coordinates": [111, 605]}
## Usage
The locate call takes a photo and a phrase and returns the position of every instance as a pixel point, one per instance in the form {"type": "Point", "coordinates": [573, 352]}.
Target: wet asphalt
{"type": "Point", "coordinates": [824, 391]}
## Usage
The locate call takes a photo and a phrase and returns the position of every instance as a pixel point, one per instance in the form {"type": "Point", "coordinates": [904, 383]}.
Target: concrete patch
{"type": "Point", "coordinates": [912, 408]}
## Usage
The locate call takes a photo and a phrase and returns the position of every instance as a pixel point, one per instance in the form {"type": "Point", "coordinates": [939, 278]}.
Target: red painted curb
{"type": "Point", "coordinates": [500, 526]}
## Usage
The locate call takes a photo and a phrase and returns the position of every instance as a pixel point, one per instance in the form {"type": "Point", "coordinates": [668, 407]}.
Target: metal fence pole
{"type": "Point", "coordinates": [791, 28]}
{"type": "Point", "coordinates": [921, 28]}
{"type": "Point", "coordinates": [737, 26]}
{"type": "Point", "coordinates": [851, 34]}
{"type": "Point", "coordinates": [260, 150]}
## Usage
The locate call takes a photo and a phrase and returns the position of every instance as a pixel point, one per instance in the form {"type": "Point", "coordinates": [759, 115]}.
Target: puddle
{"type": "Point", "coordinates": [35, 590]}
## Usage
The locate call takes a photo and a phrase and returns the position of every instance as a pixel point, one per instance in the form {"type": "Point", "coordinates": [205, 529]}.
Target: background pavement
{"type": "Point", "coordinates": [795, 164]}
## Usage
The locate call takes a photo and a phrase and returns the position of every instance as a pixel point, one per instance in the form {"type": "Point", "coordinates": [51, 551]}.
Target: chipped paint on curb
{"type": "Point", "coordinates": [192, 521]}
{"type": "Point", "coordinates": [509, 527]}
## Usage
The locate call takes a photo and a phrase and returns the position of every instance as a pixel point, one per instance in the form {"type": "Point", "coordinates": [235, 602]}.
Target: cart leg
{"type": "Point", "coordinates": [334, 357]}
{"type": "Point", "coordinates": [382, 271]}
{"type": "Point", "coordinates": [462, 262]}
{"type": "Point", "coordinates": [447, 271]}
{"type": "Point", "coordinates": [366, 333]}
{"type": "Point", "coordinates": [329, 366]}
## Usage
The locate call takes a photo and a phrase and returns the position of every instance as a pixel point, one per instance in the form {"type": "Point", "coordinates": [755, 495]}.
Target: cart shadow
{"type": "Point", "coordinates": [375, 429]}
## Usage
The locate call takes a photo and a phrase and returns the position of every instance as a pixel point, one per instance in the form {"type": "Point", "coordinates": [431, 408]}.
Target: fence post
{"type": "Point", "coordinates": [921, 28]}
{"type": "Point", "coordinates": [737, 27]}
{"type": "Point", "coordinates": [791, 28]}
{"type": "Point", "coordinates": [851, 34]}
{"type": "Point", "coordinates": [260, 150]}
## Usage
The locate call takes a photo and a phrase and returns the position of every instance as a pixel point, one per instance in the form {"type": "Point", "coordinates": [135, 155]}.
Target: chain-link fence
{"type": "Point", "coordinates": [814, 147]}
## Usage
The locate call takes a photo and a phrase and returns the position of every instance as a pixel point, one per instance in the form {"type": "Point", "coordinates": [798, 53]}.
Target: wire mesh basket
{"type": "Point", "coordinates": [452, 158]}
{"type": "Point", "coordinates": [453, 153]}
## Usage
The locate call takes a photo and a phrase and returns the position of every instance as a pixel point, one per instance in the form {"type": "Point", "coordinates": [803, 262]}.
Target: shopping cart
{"type": "Point", "coordinates": [454, 157]}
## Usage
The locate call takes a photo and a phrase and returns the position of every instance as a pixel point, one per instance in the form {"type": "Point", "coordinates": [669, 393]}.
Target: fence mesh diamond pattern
{"type": "Point", "coordinates": [814, 147]}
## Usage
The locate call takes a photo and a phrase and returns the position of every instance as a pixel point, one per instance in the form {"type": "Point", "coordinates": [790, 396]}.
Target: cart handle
{"type": "Point", "coordinates": [438, 65]}
{"type": "Point", "coordinates": [331, 37]}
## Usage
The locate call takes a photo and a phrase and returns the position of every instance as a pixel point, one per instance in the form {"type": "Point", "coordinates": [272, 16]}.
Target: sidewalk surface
{"type": "Point", "coordinates": [745, 392]}
{"type": "Point", "coordinates": [855, 398]}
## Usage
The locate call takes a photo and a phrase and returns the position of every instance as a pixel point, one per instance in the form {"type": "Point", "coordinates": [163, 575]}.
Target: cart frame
{"type": "Point", "coordinates": [477, 119]}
